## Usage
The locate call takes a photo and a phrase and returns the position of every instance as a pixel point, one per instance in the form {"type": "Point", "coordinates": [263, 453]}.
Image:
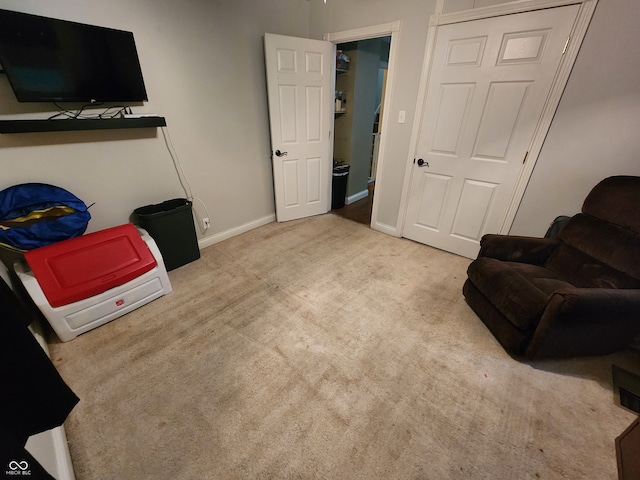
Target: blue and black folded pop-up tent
{"type": "Point", "coordinates": [33, 215]}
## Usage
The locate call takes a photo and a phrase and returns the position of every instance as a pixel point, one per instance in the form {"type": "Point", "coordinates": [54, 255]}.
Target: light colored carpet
{"type": "Point", "coordinates": [323, 349]}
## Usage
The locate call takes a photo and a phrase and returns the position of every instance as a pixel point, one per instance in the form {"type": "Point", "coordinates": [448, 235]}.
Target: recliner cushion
{"type": "Point", "coordinates": [518, 290]}
{"type": "Point", "coordinates": [584, 271]}
{"type": "Point", "coordinates": [616, 200]}
{"type": "Point", "coordinates": [596, 253]}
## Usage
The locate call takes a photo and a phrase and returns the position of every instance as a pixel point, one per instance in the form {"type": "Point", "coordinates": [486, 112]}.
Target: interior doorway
{"type": "Point", "coordinates": [361, 81]}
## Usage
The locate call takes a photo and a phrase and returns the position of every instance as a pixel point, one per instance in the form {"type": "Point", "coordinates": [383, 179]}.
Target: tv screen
{"type": "Point", "coordinates": [50, 60]}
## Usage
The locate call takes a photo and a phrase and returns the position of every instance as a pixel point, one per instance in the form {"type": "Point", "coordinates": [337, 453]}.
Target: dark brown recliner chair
{"type": "Point", "coordinates": [574, 295]}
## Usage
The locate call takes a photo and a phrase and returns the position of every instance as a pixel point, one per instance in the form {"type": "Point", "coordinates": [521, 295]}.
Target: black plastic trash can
{"type": "Point", "coordinates": [339, 186]}
{"type": "Point", "coordinates": [170, 224]}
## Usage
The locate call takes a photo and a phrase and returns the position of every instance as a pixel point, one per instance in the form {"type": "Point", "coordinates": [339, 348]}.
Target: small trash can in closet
{"type": "Point", "coordinates": [339, 186]}
{"type": "Point", "coordinates": [171, 226]}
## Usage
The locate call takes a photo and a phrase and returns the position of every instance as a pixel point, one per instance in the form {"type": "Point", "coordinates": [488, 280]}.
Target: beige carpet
{"type": "Point", "coordinates": [323, 349]}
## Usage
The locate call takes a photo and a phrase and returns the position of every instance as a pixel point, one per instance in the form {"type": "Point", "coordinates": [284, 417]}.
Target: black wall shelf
{"type": "Point", "coordinates": [27, 126]}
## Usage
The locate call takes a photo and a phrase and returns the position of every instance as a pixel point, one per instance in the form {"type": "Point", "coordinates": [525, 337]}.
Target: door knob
{"type": "Point", "coordinates": [422, 163]}
{"type": "Point", "coordinates": [280, 154]}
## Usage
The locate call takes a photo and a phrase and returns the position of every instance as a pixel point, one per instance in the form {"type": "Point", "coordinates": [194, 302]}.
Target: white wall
{"type": "Point", "coordinates": [594, 133]}
{"type": "Point", "coordinates": [596, 130]}
{"type": "Point", "coordinates": [204, 71]}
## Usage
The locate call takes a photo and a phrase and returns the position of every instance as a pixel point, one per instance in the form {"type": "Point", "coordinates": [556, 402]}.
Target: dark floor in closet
{"type": "Point", "coordinates": [359, 211]}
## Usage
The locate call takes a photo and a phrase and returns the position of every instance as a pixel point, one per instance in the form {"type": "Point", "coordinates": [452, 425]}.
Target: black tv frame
{"type": "Point", "coordinates": [53, 60]}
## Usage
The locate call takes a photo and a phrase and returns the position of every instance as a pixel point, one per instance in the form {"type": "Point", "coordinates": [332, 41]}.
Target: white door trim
{"type": "Point", "coordinates": [363, 33]}
{"type": "Point", "coordinates": [387, 29]}
{"type": "Point", "coordinates": [516, 6]}
{"type": "Point", "coordinates": [587, 7]}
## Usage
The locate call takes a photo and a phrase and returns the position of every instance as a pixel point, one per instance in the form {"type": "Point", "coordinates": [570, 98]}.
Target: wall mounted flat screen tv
{"type": "Point", "coordinates": [50, 60]}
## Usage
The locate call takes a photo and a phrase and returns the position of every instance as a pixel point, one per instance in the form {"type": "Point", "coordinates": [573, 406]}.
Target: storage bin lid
{"type": "Point", "coordinates": [88, 265]}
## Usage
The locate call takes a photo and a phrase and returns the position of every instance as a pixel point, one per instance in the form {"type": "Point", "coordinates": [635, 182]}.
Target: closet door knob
{"type": "Point", "coordinates": [280, 154]}
{"type": "Point", "coordinates": [422, 163]}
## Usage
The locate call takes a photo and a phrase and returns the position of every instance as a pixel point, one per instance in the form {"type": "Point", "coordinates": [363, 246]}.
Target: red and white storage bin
{"type": "Point", "coordinates": [87, 281]}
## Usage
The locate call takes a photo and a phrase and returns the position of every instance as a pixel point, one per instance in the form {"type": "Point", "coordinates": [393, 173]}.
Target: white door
{"type": "Point", "coordinates": [488, 85]}
{"type": "Point", "coordinates": [299, 87]}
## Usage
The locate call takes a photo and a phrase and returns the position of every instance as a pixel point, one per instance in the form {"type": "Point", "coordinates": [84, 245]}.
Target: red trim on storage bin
{"type": "Point", "coordinates": [88, 265]}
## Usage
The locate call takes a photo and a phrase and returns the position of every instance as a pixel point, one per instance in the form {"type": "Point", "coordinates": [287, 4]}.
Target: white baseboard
{"type": "Point", "coordinates": [232, 232]}
{"type": "Point", "coordinates": [357, 196]}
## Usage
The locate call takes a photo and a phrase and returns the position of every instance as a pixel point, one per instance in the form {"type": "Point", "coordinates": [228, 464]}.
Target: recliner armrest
{"type": "Point", "coordinates": [603, 303]}
{"type": "Point", "coordinates": [510, 248]}
{"type": "Point", "coordinates": [586, 321]}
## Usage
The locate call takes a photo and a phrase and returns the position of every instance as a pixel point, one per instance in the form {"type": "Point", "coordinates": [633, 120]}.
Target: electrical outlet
{"type": "Point", "coordinates": [206, 223]}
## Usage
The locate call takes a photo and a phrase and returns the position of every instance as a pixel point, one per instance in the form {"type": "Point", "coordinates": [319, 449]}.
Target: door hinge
{"type": "Point", "coordinates": [566, 45]}
{"type": "Point", "coordinates": [526, 154]}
